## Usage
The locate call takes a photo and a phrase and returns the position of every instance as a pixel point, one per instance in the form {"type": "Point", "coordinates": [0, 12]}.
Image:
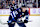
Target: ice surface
{"type": "Point", "coordinates": [35, 21]}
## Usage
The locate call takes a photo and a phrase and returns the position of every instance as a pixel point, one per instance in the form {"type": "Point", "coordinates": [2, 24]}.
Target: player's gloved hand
{"type": "Point", "coordinates": [25, 21]}
{"type": "Point", "coordinates": [13, 20]}
{"type": "Point", "coordinates": [9, 22]}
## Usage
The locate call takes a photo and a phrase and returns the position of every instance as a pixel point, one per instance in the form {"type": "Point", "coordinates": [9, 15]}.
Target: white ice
{"type": "Point", "coordinates": [35, 21]}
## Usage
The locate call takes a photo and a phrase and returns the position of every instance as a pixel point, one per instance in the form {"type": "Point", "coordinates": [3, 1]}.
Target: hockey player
{"type": "Point", "coordinates": [25, 14]}
{"type": "Point", "coordinates": [15, 16]}
{"type": "Point", "coordinates": [20, 14]}
{"type": "Point", "coordinates": [12, 11]}
{"type": "Point", "coordinates": [15, 19]}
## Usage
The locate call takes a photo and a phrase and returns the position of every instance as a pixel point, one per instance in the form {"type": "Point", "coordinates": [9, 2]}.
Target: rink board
{"type": "Point", "coordinates": [32, 12]}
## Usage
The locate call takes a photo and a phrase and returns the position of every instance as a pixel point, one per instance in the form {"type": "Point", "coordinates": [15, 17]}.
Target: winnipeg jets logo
{"type": "Point", "coordinates": [19, 10]}
{"type": "Point", "coordinates": [22, 13]}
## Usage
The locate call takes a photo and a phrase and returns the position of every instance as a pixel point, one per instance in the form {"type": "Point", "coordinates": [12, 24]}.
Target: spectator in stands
{"type": "Point", "coordinates": [1, 4]}
{"type": "Point", "coordinates": [34, 5]}
{"type": "Point", "coordinates": [39, 3]}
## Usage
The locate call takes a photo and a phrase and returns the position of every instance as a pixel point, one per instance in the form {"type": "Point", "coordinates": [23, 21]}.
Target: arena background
{"type": "Point", "coordinates": [33, 6]}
